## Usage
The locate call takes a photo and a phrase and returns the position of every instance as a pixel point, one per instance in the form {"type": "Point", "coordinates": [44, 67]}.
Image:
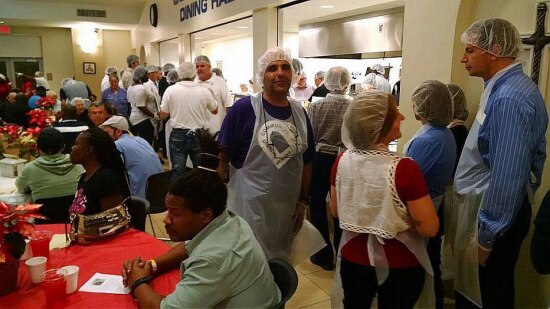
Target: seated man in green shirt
{"type": "Point", "coordinates": [222, 265]}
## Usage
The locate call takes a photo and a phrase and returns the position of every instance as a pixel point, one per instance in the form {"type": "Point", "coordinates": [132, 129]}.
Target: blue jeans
{"type": "Point", "coordinates": [183, 143]}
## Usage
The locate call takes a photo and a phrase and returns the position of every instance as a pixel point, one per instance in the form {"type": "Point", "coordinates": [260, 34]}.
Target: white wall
{"type": "Point", "coordinates": [236, 58]}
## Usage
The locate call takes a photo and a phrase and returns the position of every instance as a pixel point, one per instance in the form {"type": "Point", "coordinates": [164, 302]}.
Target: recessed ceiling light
{"type": "Point", "coordinates": [327, 6]}
{"type": "Point", "coordinates": [214, 33]}
{"type": "Point", "coordinates": [197, 38]}
{"type": "Point", "coordinates": [242, 27]}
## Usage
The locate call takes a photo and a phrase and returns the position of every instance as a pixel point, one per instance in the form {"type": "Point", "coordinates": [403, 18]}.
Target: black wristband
{"type": "Point", "coordinates": [139, 282]}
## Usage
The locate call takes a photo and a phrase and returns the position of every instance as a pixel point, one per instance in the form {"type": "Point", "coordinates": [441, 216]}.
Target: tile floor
{"type": "Point", "coordinates": [314, 283]}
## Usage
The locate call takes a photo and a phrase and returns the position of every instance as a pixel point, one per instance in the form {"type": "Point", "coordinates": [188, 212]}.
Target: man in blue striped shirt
{"type": "Point", "coordinates": [502, 161]}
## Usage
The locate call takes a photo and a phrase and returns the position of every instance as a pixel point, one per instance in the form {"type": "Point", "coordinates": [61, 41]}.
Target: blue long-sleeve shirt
{"type": "Point", "coordinates": [512, 144]}
{"type": "Point", "coordinates": [435, 152]}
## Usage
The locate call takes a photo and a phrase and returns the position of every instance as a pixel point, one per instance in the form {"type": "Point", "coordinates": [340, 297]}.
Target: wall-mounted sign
{"type": "Point", "coordinates": [197, 7]}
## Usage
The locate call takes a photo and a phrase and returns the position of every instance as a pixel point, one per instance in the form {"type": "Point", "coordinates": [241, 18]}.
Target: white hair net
{"type": "Point", "coordinates": [139, 73]}
{"type": "Point", "coordinates": [320, 74]}
{"type": "Point", "coordinates": [65, 81]}
{"type": "Point", "coordinates": [152, 68]}
{"type": "Point", "coordinates": [270, 56]}
{"type": "Point", "coordinates": [459, 102]}
{"type": "Point", "coordinates": [111, 70]}
{"type": "Point", "coordinates": [371, 82]}
{"type": "Point", "coordinates": [378, 68]}
{"type": "Point", "coordinates": [76, 99]}
{"type": "Point", "coordinates": [172, 76]}
{"type": "Point", "coordinates": [433, 102]}
{"type": "Point", "coordinates": [496, 36]}
{"type": "Point", "coordinates": [364, 119]}
{"type": "Point", "coordinates": [167, 67]}
{"type": "Point", "coordinates": [202, 58]}
{"type": "Point", "coordinates": [297, 66]}
{"type": "Point", "coordinates": [131, 59]}
{"type": "Point", "coordinates": [337, 78]}
{"type": "Point", "coordinates": [186, 70]}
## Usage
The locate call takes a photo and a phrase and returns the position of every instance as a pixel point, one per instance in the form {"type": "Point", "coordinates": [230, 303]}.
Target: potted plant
{"type": "Point", "coordinates": [16, 225]}
{"type": "Point", "coordinates": [20, 142]}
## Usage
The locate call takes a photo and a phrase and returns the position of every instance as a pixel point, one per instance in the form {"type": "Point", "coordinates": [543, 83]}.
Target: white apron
{"type": "Point", "coordinates": [414, 243]}
{"type": "Point", "coordinates": [265, 190]}
{"type": "Point", "coordinates": [471, 180]}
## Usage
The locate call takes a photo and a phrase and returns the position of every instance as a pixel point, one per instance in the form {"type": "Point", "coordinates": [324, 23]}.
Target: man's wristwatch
{"type": "Point", "coordinates": [139, 282]}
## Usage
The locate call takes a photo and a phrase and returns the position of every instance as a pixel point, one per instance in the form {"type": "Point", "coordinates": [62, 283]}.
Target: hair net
{"type": "Point", "coordinates": [433, 102]}
{"type": "Point", "coordinates": [138, 73]}
{"type": "Point", "coordinates": [75, 99]}
{"type": "Point", "coordinates": [38, 74]}
{"type": "Point", "coordinates": [370, 82]}
{"type": "Point", "coordinates": [65, 81]}
{"type": "Point", "coordinates": [337, 78]}
{"type": "Point", "coordinates": [496, 36]}
{"type": "Point", "coordinates": [320, 74]}
{"type": "Point", "coordinates": [167, 67]}
{"type": "Point", "coordinates": [364, 119]}
{"type": "Point", "coordinates": [151, 68]}
{"type": "Point", "coordinates": [267, 58]}
{"type": "Point", "coordinates": [111, 70]}
{"type": "Point", "coordinates": [186, 70]}
{"type": "Point", "coordinates": [131, 59]}
{"type": "Point", "coordinates": [172, 76]}
{"type": "Point", "coordinates": [378, 68]}
{"type": "Point", "coordinates": [459, 102]}
{"type": "Point", "coordinates": [297, 66]}
{"type": "Point", "coordinates": [202, 58]}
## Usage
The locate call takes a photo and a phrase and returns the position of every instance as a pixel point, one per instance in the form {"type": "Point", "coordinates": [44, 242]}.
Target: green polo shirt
{"type": "Point", "coordinates": [226, 268]}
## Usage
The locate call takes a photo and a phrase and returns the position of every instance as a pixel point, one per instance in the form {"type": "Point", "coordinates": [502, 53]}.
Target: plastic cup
{"type": "Point", "coordinates": [36, 267]}
{"type": "Point", "coordinates": [40, 243]}
{"type": "Point", "coordinates": [72, 278]}
{"type": "Point", "coordinates": [54, 286]}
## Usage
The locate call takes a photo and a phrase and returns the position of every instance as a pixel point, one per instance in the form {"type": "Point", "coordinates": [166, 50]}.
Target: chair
{"type": "Point", "coordinates": [137, 207]}
{"type": "Point", "coordinates": [286, 279]}
{"type": "Point", "coordinates": [56, 209]}
{"type": "Point", "coordinates": [155, 192]}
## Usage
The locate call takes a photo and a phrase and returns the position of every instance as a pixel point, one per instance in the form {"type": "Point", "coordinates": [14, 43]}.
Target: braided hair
{"type": "Point", "coordinates": [202, 187]}
{"type": "Point", "coordinates": [106, 153]}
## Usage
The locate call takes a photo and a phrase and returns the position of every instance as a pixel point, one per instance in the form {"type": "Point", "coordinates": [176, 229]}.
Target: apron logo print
{"type": "Point", "coordinates": [281, 144]}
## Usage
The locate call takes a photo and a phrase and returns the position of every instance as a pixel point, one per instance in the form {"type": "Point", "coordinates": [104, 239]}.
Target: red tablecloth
{"type": "Point", "coordinates": [103, 257]}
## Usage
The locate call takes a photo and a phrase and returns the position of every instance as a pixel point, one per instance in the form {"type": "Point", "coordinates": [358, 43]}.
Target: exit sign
{"type": "Point", "coordinates": [5, 29]}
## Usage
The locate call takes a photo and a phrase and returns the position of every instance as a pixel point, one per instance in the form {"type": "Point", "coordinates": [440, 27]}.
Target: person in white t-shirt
{"type": "Point", "coordinates": [189, 106]}
{"type": "Point", "coordinates": [217, 86]}
{"type": "Point", "coordinates": [144, 114]}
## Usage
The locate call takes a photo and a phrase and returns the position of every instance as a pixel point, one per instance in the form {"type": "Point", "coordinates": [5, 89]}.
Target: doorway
{"type": "Point", "coordinates": [18, 69]}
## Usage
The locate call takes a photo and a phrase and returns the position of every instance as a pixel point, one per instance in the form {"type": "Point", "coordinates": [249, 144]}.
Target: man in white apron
{"type": "Point", "coordinates": [269, 141]}
{"type": "Point", "coordinates": [500, 167]}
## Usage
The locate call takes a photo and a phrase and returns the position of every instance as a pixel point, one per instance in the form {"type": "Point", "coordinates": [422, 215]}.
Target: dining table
{"type": "Point", "coordinates": [106, 257]}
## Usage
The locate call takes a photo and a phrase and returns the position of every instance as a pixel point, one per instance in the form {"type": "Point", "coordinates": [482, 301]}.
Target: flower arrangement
{"type": "Point", "coordinates": [22, 141]}
{"type": "Point", "coordinates": [15, 227]}
{"type": "Point", "coordinates": [39, 118]}
{"type": "Point", "coordinates": [46, 103]}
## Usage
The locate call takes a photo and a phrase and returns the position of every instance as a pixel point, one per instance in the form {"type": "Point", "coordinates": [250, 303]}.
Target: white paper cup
{"type": "Point", "coordinates": [36, 267]}
{"type": "Point", "coordinates": [72, 278]}
{"type": "Point", "coordinates": [28, 251]}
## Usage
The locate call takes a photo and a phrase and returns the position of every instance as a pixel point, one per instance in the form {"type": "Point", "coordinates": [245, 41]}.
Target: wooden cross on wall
{"type": "Point", "coordinates": [538, 40]}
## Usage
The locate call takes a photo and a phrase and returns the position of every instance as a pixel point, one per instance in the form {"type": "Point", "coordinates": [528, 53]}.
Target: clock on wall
{"type": "Point", "coordinates": [153, 15]}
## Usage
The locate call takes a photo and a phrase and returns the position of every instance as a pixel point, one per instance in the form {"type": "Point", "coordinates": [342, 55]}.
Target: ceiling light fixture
{"type": "Point", "coordinates": [242, 27]}
{"type": "Point", "coordinates": [214, 33]}
{"type": "Point", "coordinates": [328, 6]}
{"type": "Point", "coordinates": [1, 21]}
{"type": "Point", "coordinates": [197, 38]}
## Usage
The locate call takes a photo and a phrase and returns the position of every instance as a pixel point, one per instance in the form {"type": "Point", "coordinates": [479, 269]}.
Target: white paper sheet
{"type": "Point", "coordinates": [103, 283]}
{"type": "Point", "coordinates": [59, 241]}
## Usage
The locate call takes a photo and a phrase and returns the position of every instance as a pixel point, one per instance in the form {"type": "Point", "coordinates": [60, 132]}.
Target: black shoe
{"type": "Point", "coordinates": [325, 264]}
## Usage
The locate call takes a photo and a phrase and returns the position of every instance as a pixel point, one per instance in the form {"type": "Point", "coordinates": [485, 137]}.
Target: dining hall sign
{"type": "Point", "coordinates": [198, 7]}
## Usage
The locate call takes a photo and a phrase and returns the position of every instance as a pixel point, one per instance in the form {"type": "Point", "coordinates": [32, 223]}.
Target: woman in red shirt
{"type": "Point", "coordinates": [384, 209]}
